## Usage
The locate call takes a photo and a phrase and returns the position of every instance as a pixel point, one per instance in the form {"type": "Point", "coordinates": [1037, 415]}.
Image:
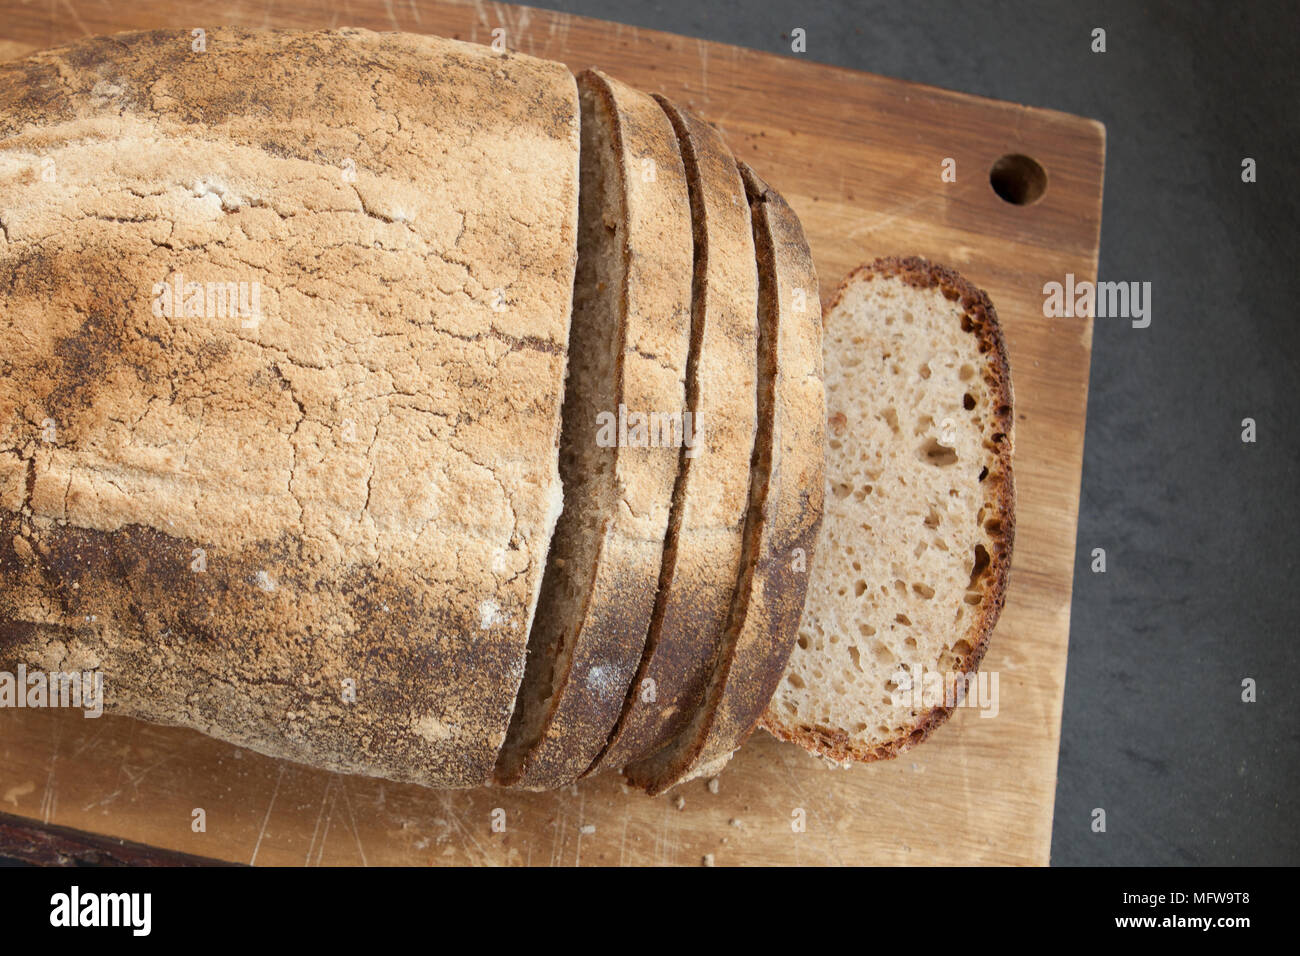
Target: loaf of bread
{"type": "Point", "coordinates": [920, 514]}
{"type": "Point", "coordinates": [283, 329]}
{"type": "Point", "coordinates": [404, 408]}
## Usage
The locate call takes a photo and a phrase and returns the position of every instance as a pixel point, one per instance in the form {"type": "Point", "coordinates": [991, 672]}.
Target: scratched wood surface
{"type": "Point", "coordinates": [859, 157]}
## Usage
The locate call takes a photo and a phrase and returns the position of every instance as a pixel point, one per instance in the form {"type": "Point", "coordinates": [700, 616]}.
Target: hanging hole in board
{"type": "Point", "coordinates": [1019, 180]}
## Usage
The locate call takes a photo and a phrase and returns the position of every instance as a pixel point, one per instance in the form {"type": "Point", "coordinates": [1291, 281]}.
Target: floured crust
{"type": "Point", "coordinates": [702, 555]}
{"type": "Point", "coordinates": [241, 524]}
{"type": "Point", "coordinates": [979, 319]}
{"type": "Point", "coordinates": [786, 502]}
{"type": "Point", "coordinates": [601, 651]}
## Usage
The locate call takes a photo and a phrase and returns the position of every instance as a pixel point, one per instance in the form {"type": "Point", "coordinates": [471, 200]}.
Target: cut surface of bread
{"type": "Point", "coordinates": [785, 504]}
{"type": "Point", "coordinates": [920, 514]}
{"type": "Point", "coordinates": [702, 552]}
{"type": "Point", "coordinates": [628, 357]}
{"type": "Point", "coordinates": [282, 371]}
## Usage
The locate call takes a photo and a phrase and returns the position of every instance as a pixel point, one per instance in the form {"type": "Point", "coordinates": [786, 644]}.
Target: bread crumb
{"type": "Point", "coordinates": [734, 822]}
{"type": "Point", "coordinates": [587, 829]}
{"type": "Point", "coordinates": [708, 860]}
{"type": "Point", "coordinates": [680, 802]}
{"type": "Point", "coordinates": [714, 785]}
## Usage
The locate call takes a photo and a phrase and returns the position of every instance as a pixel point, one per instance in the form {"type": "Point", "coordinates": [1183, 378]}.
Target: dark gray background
{"type": "Point", "coordinates": [1198, 527]}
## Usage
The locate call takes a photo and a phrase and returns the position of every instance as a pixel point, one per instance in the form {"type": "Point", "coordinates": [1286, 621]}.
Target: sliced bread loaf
{"type": "Point", "coordinates": [785, 504]}
{"type": "Point", "coordinates": [702, 552]}
{"type": "Point", "coordinates": [627, 376]}
{"type": "Point", "coordinates": [920, 514]}
{"type": "Point", "coordinates": [282, 335]}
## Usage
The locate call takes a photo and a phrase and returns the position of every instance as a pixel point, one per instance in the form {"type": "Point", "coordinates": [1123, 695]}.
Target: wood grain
{"type": "Point", "coordinates": [859, 158]}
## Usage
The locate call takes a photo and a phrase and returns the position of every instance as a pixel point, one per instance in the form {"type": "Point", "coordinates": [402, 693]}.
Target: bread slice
{"type": "Point", "coordinates": [315, 528]}
{"type": "Point", "coordinates": [628, 351]}
{"type": "Point", "coordinates": [920, 514]}
{"type": "Point", "coordinates": [702, 552]}
{"type": "Point", "coordinates": [785, 504]}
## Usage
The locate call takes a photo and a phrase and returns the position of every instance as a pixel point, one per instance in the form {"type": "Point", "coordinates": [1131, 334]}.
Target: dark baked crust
{"type": "Point", "coordinates": [786, 504]}
{"type": "Point", "coordinates": [654, 330]}
{"type": "Point", "coordinates": [998, 514]}
{"type": "Point", "coordinates": [702, 553]}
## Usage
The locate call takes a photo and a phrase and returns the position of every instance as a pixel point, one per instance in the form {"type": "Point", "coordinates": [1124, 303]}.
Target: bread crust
{"type": "Point", "coordinates": [235, 521]}
{"type": "Point", "coordinates": [702, 553]}
{"type": "Point", "coordinates": [979, 319]}
{"type": "Point", "coordinates": [656, 327]}
{"type": "Point", "coordinates": [786, 504]}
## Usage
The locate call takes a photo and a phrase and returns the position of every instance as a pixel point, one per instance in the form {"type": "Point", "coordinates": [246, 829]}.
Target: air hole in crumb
{"type": "Point", "coordinates": [968, 401]}
{"type": "Point", "coordinates": [910, 642]}
{"type": "Point", "coordinates": [925, 591]}
{"type": "Point", "coordinates": [842, 490]}
{"type": "Point", "coordinates": [866, 630]}
{"type": "Point", "coordinates": [903, 619]}
{"type": "Point", "coordinates": [984, 473]}
{"type": "Point", "coordinates": [961, 649]}
{"type": "Point", "coordinates": [803, 641]}
{"type": "Point", "coordinates": [795, 681]}
{"type": "Point", "coordinates": [966, 372]}
{"type": "Point", "coordinates": [925, 371]}
{"type": "Point", "coordinates": [890, 417]}
{"type": "Point", "coordinates": [859, 588]}
{"type": "Point", "coordinates": [981, 564]}
{"type": "Point", "coordinates": [857, 660]}
{"type": "Point", "coordinates": [933, 453]}
{"type": "Point", "coordinates": [932, 519]}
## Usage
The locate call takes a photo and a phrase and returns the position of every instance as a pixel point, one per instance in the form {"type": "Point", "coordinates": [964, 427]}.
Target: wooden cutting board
{"type": "Point", "coordinates": [860, 158]}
